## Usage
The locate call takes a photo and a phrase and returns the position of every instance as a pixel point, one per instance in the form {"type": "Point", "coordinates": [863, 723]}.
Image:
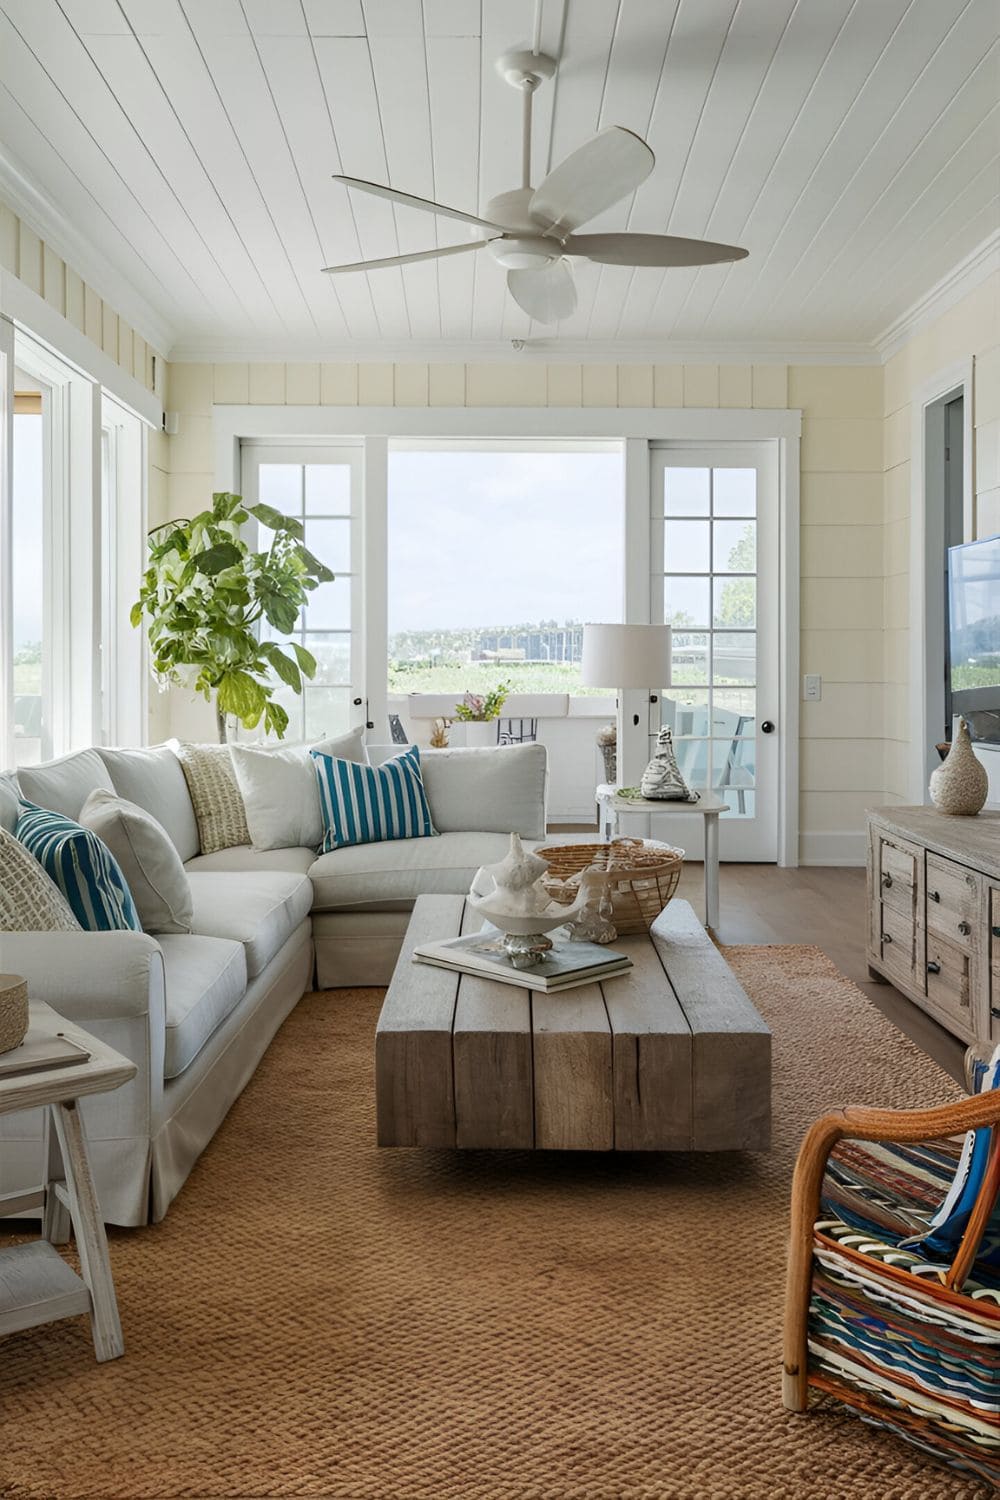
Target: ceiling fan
{"type": "Point", "coordinates": [531, 232]}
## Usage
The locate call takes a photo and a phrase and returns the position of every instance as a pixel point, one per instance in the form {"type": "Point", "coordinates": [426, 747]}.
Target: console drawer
{"type": "Point", "coordinates": [897, 866]}
{"type": "Point", "coordinates": [897, 943]}
{"type": "Point", "coordinates": [949, 983]}
{"type": "Point", "coordinates": [953, 902]}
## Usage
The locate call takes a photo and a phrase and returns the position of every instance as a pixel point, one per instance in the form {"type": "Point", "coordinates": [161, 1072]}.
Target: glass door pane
{"type": "Point", "coordinates": [717, 520]}
{"type": "Point", "coordinates": [320, 488]}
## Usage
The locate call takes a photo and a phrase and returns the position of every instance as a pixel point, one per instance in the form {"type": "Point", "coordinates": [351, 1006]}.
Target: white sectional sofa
{"type": "Point", "coordinates": [197, 1011]}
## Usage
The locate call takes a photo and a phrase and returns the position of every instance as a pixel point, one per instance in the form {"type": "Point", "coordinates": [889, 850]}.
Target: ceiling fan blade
{"type": "Point", "coordinates": [406, 260]}
{"type": "Point", "coordinates": [547, 295]}
{"type": "Point", "coordinates": [650, 250]}
{"type": "Point", "coordinates": [592, 178]}
{"type": "Point", "coordinates": [408, 200]}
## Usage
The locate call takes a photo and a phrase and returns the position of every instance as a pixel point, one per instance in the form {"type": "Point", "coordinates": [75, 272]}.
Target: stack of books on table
{"type": "Point", "coordinates": [563, 967]}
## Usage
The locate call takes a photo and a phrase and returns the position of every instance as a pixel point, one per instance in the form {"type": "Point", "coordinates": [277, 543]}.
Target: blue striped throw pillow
{"type": "Point", "coordinates": [368, 804]}
{"type": "Point", "coordinates": [83, 868]}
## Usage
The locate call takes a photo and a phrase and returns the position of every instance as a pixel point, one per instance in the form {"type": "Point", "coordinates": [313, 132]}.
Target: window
{"type": "Point", "coordinates": [497, 555]}
{"type": "Point", "coordinates": [31, 651]}
{"type": "Point", "coordinates": [321, 488]}
{"type": "Point", "coordinates": [72, 537]}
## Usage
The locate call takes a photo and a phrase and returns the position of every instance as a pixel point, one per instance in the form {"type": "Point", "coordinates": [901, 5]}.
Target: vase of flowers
{"type": "Point", "coordinates": [479, 713]}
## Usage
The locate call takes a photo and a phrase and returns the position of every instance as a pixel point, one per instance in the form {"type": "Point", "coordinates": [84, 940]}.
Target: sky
{"type": "Point", "coordinates": [501, 537]}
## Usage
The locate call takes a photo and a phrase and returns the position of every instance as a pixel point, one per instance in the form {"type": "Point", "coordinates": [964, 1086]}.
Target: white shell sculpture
{"type": "Point", "coordinates": [511, 895]}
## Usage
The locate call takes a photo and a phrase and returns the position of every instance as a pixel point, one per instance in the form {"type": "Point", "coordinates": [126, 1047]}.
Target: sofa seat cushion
{"type": "Point", "coordinates": [206, 978]}
{"type": "Point", "coordinates": [259, 910]}
{"type": "Point", "coordinates": [379, 876]}
{"type": "Point", "coordinates": [297, 861]}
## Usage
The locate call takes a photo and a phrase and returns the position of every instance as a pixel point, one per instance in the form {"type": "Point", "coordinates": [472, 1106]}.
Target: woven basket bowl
{"type": "Point", "coordinates": [13, 1011]}
{"type": "Point", "coordinates": [643, 876]}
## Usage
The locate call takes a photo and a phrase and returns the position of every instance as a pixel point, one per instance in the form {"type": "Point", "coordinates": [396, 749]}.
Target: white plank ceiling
{"type": "Point", "coordinates": [851, 145]}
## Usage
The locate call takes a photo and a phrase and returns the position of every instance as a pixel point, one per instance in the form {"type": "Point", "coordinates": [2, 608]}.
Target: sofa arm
{"type": "Point", "coordinates": [89, 976]}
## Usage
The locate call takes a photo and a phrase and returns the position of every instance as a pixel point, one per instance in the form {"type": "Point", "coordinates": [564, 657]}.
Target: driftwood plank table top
{"type": "Point", "coordinates": [671, 1056]}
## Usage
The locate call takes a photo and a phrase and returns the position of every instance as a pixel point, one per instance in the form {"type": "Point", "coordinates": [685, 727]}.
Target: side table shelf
{"type": "Point", "coordinates": [36, 1284]}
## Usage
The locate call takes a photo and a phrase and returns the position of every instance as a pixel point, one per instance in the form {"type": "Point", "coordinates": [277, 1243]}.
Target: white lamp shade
{"type": "Point", "coordinates": [626, 656]}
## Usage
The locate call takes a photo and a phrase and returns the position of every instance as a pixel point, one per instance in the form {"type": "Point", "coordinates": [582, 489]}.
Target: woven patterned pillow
{"type": "Point", "coordinates": [215, 796]}
{"type": "Point", "coordinates": [83, 868]}
{"type": "Point", "coordinates": [29, 900]}
{"type": "Point", "coordinates": [368, 804]}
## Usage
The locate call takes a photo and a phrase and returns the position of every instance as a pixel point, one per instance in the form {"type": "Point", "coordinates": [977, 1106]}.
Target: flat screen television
{"type": "Point", "coordinates": [974, 635]}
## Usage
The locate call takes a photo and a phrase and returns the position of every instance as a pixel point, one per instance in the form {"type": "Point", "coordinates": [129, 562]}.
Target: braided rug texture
{"type": "Point", "coordinates": [316, 1317]}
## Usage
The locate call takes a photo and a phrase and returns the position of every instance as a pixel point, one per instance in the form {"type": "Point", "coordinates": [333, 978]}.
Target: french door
{"type": "Point", "coordinates": [321, 487]}
{"type": "Point", "coordinates": [715, 560]}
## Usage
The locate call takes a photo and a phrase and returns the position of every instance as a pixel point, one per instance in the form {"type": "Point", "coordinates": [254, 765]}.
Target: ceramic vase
{"type": "Point", "coordinates": [960, 786]}
{"type": "Point", "coordinates": [480, 732]}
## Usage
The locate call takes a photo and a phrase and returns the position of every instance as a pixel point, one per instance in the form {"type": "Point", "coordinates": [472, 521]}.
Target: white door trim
{"type": "Point", "coordinates": [925, 652]}
{"type": "Point", "coordinates": [232, 425]}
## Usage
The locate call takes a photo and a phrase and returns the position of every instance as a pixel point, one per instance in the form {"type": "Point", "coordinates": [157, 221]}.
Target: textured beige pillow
{"type": "Point", "coordinates": [215, 796]}
{"type": "Point", "coordinates": [29, 900]}
{"type": "Point", "coordinates": [149, 861]}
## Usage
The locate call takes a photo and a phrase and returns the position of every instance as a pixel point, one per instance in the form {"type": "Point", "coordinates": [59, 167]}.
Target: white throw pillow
{"type": "Point", "coordinates": [493, 789]}
{"type": "Point", "coordinates": [148, 859]}
{"type": "Point", "coordinates": [281, 793]}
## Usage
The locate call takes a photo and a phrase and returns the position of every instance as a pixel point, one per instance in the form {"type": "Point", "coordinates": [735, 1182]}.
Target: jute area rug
{"type": "Point", "coordinates": [316, 1317]}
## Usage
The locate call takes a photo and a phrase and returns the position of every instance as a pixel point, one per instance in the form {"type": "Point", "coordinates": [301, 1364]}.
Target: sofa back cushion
{"type": "Point", "coordinates": [497, 789]}
{"type": "Point", "coordinates": [10, 802]}
{"type": "Point", "coordinates": [153, 780]}
{"type": "Point", "coordinates": [64, 785]}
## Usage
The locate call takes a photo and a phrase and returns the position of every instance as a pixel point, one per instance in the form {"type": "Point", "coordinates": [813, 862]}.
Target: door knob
{"type": "Point", "coordinates": [767, 727]}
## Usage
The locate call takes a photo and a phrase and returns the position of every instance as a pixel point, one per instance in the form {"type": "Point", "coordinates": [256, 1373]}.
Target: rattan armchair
{"type": "Point", "coordinates": [913, 1346]}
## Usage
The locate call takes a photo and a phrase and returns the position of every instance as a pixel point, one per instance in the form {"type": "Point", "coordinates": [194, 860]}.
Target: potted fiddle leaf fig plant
{"type": "Point", "coordinates": [206, 594]}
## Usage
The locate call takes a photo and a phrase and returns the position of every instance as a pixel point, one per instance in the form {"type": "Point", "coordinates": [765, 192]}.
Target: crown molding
{"type": "Point", "coordinates": [80, 253]}
{"type": "Point", "coordinates": [962, 279]}
{"type": "Point", "coordinates": [543, 350]}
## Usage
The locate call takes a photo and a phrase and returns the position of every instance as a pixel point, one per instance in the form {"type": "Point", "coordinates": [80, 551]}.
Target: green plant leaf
{"type": "Point", "coordinates": [275, 719]}
{"type": "Point", "coordinates": [305, 659]}
{"type": "Point", "coordinates": [282, 664]}
{"type": "Point", "coordinates": [275, 521]}
{"type": "Point", "coordinates": [135, 614]}
{"type": "Point", "coordinates": [319, 570]}
{"type": "Point", "coordinates": [217, 558]}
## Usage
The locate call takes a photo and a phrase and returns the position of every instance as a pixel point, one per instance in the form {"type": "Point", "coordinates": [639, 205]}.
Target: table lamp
{"type": "Point", "coordinates": [635, 661]}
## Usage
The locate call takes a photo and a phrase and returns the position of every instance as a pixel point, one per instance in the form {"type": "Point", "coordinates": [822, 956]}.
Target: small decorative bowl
{"type": "Point", "coordinates": [13, 1011]}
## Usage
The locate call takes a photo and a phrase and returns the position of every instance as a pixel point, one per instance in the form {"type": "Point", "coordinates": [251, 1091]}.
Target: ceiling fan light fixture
{"type": "Point", "coordinates": [528, 252]}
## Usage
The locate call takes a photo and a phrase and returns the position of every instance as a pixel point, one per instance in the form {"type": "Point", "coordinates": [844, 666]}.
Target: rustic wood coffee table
{"type": "Point", "coordinates": [671, 1056]}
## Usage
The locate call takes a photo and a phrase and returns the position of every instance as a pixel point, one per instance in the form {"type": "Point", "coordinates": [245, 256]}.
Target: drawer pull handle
{"type": "Point", "coordinates": [995, 1011]}
{"type": "Point", "coordinates": [964, 928]}
{"type": "Point", "coordinates": [933, 967]}
{"type": "Point", "coordinates": [886, 882]}
{"type": "Point", "coordinates": [934, 895]}
{"type": "Point", "coordinates": [995, 931]}
{"type": "Point", "coordinates": [887, 937]}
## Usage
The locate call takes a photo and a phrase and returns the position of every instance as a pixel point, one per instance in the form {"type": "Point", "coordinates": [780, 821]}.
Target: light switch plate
{"type": "Point", "coordinates": [812, 687]}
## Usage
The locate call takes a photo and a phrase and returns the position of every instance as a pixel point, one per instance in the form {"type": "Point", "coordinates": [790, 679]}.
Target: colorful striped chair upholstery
{"type": "Point", "coordinates": [909, 1340]}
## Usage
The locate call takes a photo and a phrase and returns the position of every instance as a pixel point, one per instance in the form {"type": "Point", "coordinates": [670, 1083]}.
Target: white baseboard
{"type": "Point", "coordinates": [833, 848]}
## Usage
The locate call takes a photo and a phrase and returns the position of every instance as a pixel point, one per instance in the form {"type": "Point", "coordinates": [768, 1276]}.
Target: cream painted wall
{"type": "Point", "coordinates": [842, 518]}
{"type": "Point", "coordinates": [969, 330]}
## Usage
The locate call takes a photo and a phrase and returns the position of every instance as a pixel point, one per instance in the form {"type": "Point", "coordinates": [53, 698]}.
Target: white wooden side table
{"type": "Point", "coordinates": [611, 806]}
{"type": "Point", "coordinates": [36, 1284]}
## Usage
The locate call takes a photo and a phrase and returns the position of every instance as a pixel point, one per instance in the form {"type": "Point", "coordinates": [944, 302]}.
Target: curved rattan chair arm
{"type": "Point", "coordinates": [857, 1123]}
